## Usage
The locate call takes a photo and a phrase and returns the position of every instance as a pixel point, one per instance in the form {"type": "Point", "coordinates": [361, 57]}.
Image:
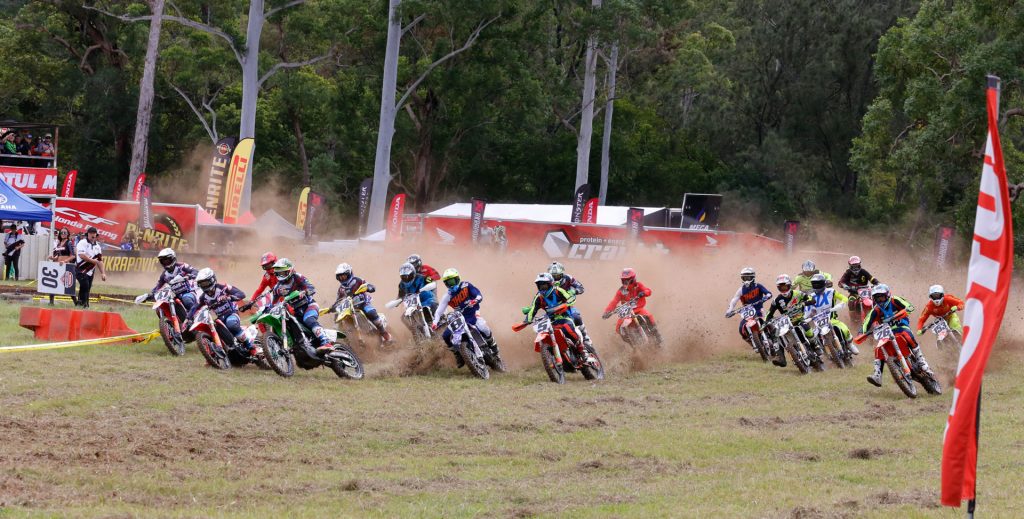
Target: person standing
{"type": "Point", "coordinates": [89, 259]}
{"type": "Point", "coordinates": [12, 251]}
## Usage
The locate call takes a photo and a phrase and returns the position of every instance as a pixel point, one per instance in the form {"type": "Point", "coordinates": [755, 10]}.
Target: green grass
{"type": "Point", "coordinates": [128, 430]}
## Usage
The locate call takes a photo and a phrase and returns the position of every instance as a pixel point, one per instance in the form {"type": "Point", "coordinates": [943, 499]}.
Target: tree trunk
{"type": "Point", "coordinates": [250, 87]}
{"type": "Point", "coordinates": [140, 146]}
{"type": "Point", "coordinates": [606, 139]}
{"type": "Point", "coordinates": [587, 111]}
{"type": "Point", "coordinates": [300, 140]}
{"type": "Point", "coordinates": [386, 129]}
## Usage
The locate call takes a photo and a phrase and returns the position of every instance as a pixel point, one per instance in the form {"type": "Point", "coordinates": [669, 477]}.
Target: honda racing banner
{"type": "Point", "coordinates": [578, 202]}
{"type": "Point", "coordinates": [590, 210]}
{"type": "Point", "coordinates": [69, 184]}
{"type": "Point", "coordinates": [476, 218]}
{"type": "Point", "coordinates": [31, 181]}
{"type": "Point", "coordinates": [988, 287]}
{"type": "Point", "coordinates": [146, 208]}
{"type": "Point", "coordinates": [174, 225]}
{"type": "Point", "coordinates": [314, 207]}
{"type": "Point", "coordinates": [634, 222]}
{"type": "Point", "coordinates": [790, 229]}
{"type": "Point", "coordinates": [137, 188]}
{"type": "Point", "coordinates": [238, 170]}
{"type": "Point", "coordinates": [213, 203]}
{"type": "Point", "coordinates": [700, 211]}
{"type": "Point", "coordinates": [943, 241]}
{"type": "Point", "coordinates": [395, 216]}
{"type": "Point", "coordinates": [365, 189]}
{"type": "Point", "coordinates": [300, 212]}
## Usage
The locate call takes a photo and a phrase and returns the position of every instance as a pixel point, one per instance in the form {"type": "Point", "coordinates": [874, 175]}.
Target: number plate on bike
{"type": "Point", "coordinates": [748, 312]}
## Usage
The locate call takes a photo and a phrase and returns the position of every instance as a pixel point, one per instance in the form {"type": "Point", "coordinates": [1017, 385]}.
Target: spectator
{"type": "Point", "coordinates": [10, 148]}
{"type": "Point", "coordinates": [45, 146]}
{"type": "Point", "coordinates": [89, 258]}
{"type": "Point", "coordinates": [63, 246]}
{"type": "Point", "coordinates": [13, 243]}
{"type": "Point", "coordinates": [128, 241]}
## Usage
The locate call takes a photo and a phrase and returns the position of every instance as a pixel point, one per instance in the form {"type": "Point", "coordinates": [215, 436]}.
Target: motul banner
{"type": "Point", "coordinates": [700, 211]}
{"type": "Point", "coordinates": [634, 222]}
{"type": "Point", "coordinates": [590, 210]}
{"type": "Point", "coordinates": [395, 216]}
{"type": "Point", "coordinates": [476, 217]}
{"type": "Point", "coordinates": [31, 181]}
{"type": "Point", "coordinates": [943, 241]}
{"type": "Point", "coordinates": [238, 170]}
{"type": "Point", "coordinates": [146, 208]}
{"type": "Point", "coordinates": [137, 188]}
{"type": "Point", "coordinates": [789, 229]}
{"type": "Point", "coordinates": [314, 207]}
{"type": "Point", "coordinates": [69, 184]}
{"type": "Point", "coordinates": [300, 212]}
{"type": "Point", "coordinates": [174, 225]}
{"type": "Point", "coordinates": [579, 201]}
{"type": "Point", "coordinates": [215, 178]}
{"type": "Point", "coordinates": [365, 190]}
{"type": "Point", "coordinates": [988, 287]}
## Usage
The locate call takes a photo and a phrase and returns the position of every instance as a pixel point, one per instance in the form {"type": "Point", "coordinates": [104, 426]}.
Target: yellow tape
{"type": "Point", "coordinates": [98, 298]}
{"type": "Point", "coordinates": [146, 337]}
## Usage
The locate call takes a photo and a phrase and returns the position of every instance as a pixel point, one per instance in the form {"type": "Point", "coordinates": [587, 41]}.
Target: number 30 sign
{"type": "Point", "coordinates": [54, 278]}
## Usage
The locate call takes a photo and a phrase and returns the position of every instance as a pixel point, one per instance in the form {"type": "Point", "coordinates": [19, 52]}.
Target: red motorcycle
{"type": "Point", "coordinates": [170, 314]}
{"type": "Point", "coordinates": [559, 353]}
{"type": "Point", "coordinates": [755, 331]}
{"type": "Point", "coordinates": [897, 359]}
{"type": "Point", "coordinates": [859, 303]}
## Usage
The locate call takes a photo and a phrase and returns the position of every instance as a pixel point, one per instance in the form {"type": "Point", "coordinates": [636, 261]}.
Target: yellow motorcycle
{"type": "Point", "coordinates": [351, 320]}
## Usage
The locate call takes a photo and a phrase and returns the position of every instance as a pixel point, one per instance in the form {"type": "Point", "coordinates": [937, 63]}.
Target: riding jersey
{"type": "Point", "coordinates": [414, 286]}
{"type": "Point", "coordinates": [803, 283]}
{"type": "Point", "coordinates": [549, 299]}
{"type": "Point", "coordinates": [187, 273]}
{"type": "Point", "coordinates": [858, 280]}
{"type": "Point", "coordinates": [824, 301]}
{"type": "Point", "coordinates": [570, 284]}
{"type": "Point", "coordinates": [880, 313]}
{"type": "Point", "coordinates": [297, 282]}
{"type": "Point", "coordinates": [348, 288]}
{"type": "Point", "coordinates": [930, 309]}
{"type": "Point", "coordinates": [268, 282]}
{"type": "Point", "coordinates": [463, 297]}
{"type": "Point", "coordinates": [221, 303]}
{"type": "Point", "coordinates": [635, 290]}
{"type": "Point", "coordinates": [783, 303]}
{"type": "Point", "coordinates": [754, 294]}
{"type": "Point", "coordinates": [428, 272]}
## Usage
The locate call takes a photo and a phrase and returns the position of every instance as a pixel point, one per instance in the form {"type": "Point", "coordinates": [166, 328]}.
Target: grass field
{"type": "Point", "coordinates": [127, 430]}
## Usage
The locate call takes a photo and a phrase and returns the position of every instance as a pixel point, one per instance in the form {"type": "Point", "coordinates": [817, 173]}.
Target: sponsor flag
{"type": "Point", "coordinates": [476, 218]}
{"type": "Point", "coordinates": [700, 211]}
{"type": "Point", "coordinates": [578, 202]}
{"type": "Point", "coordinates": [395, 216]}
{"type": "Point", "coordinates": [313, 209]}
{"type": "Point", "coordinates": [213, 203]}
{"type": "Point", "coordinates": [590, 210]}
{"type": "Point", "coordinates": [145, 207]}
{"type": "Point", "coordinates": [300, 213]}
{"type": "Point", "coordinates": [943, 241]}
{"type": "Point", "coordinates": [69, 184]}
{"type": "Point", "coordinates": [789, 229]}
{"type": "Point", "coordinates": [365, 190]}
{"type": "Point", "coordinates": [634, 222]}
{"type": "Point", "coordinates": [988, 287]}
{"type": "Point", "coordinates": [238, 170]}
{"type": "Point", "coordinates": [137, 188]}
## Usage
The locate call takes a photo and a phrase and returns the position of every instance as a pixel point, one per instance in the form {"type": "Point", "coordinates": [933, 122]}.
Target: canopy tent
{"type": "Point", "coordinates": [16, 206]}
{"type": "Point", "coordinates": [606, 214]}
{"type": "Point", "coordinates": [273, 224]}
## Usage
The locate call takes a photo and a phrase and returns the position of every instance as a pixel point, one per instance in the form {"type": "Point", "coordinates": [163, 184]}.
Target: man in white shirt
{"type": "Point", "coordinates": [89, 259]}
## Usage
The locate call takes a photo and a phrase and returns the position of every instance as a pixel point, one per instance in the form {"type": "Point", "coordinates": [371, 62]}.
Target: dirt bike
{"type": "Point", "coordinates": [827, 339]}
{"type": "Point", "coordinates": [635, 329]}
{"type": "Point", "coordinates": [351, 320]}
{"type": "Point", "coordinates": [170, 314]}
{"type": "Point", "coordinates": [755, 332]}
{"type": "Point", "coordinates": [416, 316]}
{"type": "Point", "coordinates": [558, 352]}
{"type": "Point", "coordinates": [472, 347]}
{"type": "Point", "coordinates": [788, 338]}
{"type": "Point", "coordinates": [217, 344]}
{"type": "Point", "coordinates": [859, 303]}
{"type": "Point", "coordinates": [946, 338]}
{"type": "Point", "coordinates": [287, 341]}
{"type": "Point", "coordinates": [904, 372]}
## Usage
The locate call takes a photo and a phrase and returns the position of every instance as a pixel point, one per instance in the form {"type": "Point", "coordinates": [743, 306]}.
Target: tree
{"type": "Point", "coordinates": [587, 109]}
{"type": "Point", "coordinates": [140, 146]}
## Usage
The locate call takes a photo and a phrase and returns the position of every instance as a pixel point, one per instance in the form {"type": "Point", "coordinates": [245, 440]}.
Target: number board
{"type": "Point", "coordinates": [55, 278]}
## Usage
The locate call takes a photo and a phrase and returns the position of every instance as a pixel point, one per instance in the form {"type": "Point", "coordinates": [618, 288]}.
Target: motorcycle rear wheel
{"type": "Point", "coordinates": [904, 383]}
{"type": "Point", "coordinates": [595, 372]}
{"type": "Point", "coordinates": [345, 363]}
{"type": "Point", "coordinates": [475, 365]}
{"type": "Point", "coordinates": [215, 355]}
{"type": "Point", "coordinates": [555, 372]}
{"type": "Point", "coordinates": [280, 360]}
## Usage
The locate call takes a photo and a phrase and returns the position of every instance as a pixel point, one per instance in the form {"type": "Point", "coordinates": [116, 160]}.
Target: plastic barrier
{"type": "Point", "coordinates": [71, 325]}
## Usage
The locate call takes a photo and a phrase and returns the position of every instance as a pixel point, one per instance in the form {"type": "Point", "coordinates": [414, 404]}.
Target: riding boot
{"type": "Point", "coordinates": [657, 334]}
{"type": "Point", "coordinates": [586, 336]}
{"type": "Point", "coordinates": [922, 364]}
{"type": "Point", "coordinates": [852, 346]}
{"type": "Point", "coordinates": [876, 378]}
{"type": "Point", "coordinates": [382, 329]}
{"type": "Point", "coordinates": [458, 359]}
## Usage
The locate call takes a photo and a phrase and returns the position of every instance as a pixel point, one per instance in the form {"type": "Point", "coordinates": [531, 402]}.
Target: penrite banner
{"type": "Point", "coordinates": [69, 184]}
{"type": "Point", "coordinates": [789, 229]}
{"type": "Point", "coordinates": [634, 222]}
{"type": "Point", "coordinates": [590, 210]}
{"type": "Point", "coordinates": [365, 190]}
{"type": "Point", "coordinates": [215, 178]}
{"type": "Point", "coordinates": [395, 217]}
{"type": "Point", "coordinates": [146, 208]}
{"type": "Point", "coordinates": [578, 202]}
{"type": "Point", "coordinates": [476, 218]}
{"type": "Point", "coordinates": [943, 241]}
{"type": "Point", "coordinates": [300, 212]}
{"type": "Point", "coordinates": [700, 211]}
{"type": "Point", "coordinates": [238, 170]}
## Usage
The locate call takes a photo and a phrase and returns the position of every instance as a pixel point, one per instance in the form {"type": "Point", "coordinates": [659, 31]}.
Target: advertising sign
{"type": "Point", "coordinates": [56, 278]}
{"type": "Point", "coordinates": [700, 211]}
{"type": "Point", "coordinates": [31, 181]}
{"type": "Point", "coordinates": [238, 170]}
{"type": "Point", "coordinates": [174, 225]}
{"type": "Point", "coordinates": [213, 203]}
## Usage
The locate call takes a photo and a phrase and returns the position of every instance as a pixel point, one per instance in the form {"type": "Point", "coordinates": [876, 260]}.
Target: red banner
{"type": "Point", "coordinates": [943, 242]}
{"type": "Point", "coordinates": [790, 229]}
{"type": "Point", "coordinates": [476, 218]}
{"type": "Point", "coordinates": [395, 217]}
{"type": "Point", "coordinates": [31, 181]}
{"type": "Point", "coordinates": [137, 188]}
{"type": "Point", "coordinates": [635, 222]}
{"type": "Point", "coordinates": [988, 287]}
{"type": "Point", "coordinates": [69, 184]}
{"type": "Point", "coordinates": [174, 225]}
{"type": "Point", "coordinates": [590, 210]}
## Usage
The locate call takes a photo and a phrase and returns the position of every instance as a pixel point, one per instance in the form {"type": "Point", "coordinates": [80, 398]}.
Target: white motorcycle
{"type": "Point", "coordinates": [475, 351]}
{"type": "Point", "coordinates": [416, 316]}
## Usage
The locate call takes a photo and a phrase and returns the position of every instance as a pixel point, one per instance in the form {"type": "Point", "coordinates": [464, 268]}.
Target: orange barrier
{"type": "Point", "coordinates": [50, 324]}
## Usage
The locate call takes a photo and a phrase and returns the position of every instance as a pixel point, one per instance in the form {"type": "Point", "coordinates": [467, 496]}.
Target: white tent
{"type": "Point", "coordinates": [606, 215]}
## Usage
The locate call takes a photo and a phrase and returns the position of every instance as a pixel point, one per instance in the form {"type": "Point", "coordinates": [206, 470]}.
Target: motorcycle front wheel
{"type": "Point", "coordinates": [280, 359]}
{"type": "Point", "coordinates": [476, 365]}
{"type": "Point", "coordinates": [555, 372]}
{"type": "Point", "coordinates": [904, 383]}
{"type": "Point", "coordinates": [215, 355]}
{"type": "Point", "coordinates": [175, 346]}
{"type": "Point", "coordinates": [758, 345]}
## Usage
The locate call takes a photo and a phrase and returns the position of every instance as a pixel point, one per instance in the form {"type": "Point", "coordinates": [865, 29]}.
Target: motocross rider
{"type": "Point", "coordinates": [824, 299]}
{"type": "Point", "coordinates": [221, 299]}
{"type": "Point", "coordinates": [750, 293]}
{"type": "Point", "coordinates": [856, 277]}
{"type": "Point", "coordinates": [940, 304]}
{"type": "Point", "coordinates": [268, 281]}
{"type": "Point", "coordinates": [463, 297]}
{"type": "Point", "coordinates": [632, 290]}
{"type": "Point", "coordinates": [304, 307]}
{"type": "Point", "coordinates": [887, 305]}
{"type": "Point", "coordinates": [172, 269]}
{"type": "Point", "coordinates": [412, 283]}
{"type": "Point", "coordinates": [787, 300]}
{"type": "Point", "coordinates": [575, 288]}
{"type": "Point", "coordinates": [802, 281]}
{"type": "Point", "coordinates": [423, 269]}
{"type": "Point", "coordinates": [349, 284]}
{"type": "Point", "coordinates": [557, 302]}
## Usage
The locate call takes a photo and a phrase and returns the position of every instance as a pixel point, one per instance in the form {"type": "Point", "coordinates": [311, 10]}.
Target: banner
{"type": "Point", "coordinates": [365, 190]}
{"type": "Point", "coordinates": [56, 278]}
{"type": "Point", "coordinates": [988, 287]}
{"type": "Point", "coordinates": [590, 210]}
{"type": "Point", "coordinates": [215, 178]}
{"type": "Point", "coordinates": [395, 217]}
{"type": "Point", "coordinates": [789, 229]}
{"type": "Point", "coordinates": [300, 212]}
{"type": "Point", "coordinates": [700, 211]}
{"type": "Point", "coordinates": [137, 188]}
{"type": "Point", "coordinates": [235, 184]}
{"type": "Point", "coordinates": [582, 195]}
{"type": "Point", "coordinates": [146, 208]}
{"type": "Point", "coordinates": [174, 225]}
{"type": "Point", "coordinates": [31, 181]}
{"type": "Point", "coordinates": [314, 208]}
{"type": "Point", "coordinates": [634, 222]}
{"type": "Point", "coordinates": [476, 218]}
{"type": "Point", "coordinates": [943, 241]}
{"type": "Point", "coordinates": [123, 262]}
{"type": "Point", "coordinates": [69, 184]}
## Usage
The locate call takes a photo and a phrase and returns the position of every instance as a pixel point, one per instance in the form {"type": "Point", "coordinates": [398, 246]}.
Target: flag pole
{"type": "Point", "coordinates": [973, 503]}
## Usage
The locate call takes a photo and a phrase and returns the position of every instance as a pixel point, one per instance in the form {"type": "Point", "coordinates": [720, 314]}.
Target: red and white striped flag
{"type": "Point", "coordinates": [988, 286]}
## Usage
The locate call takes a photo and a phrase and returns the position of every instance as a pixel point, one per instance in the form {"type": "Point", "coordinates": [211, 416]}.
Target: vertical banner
{"type": "Point", "coordinates": [137, 188]}
{"type": "Point", "coordinates": [300, 213]}
{"type": "Point", "coordinates": [582, 194]}
{"type": "Point", "coordinates": [69, 184]}
{"type": "Point", "coordinates": [590, 210]}
{"type": "Point", "coordinates": [395, 216]}
{"type": "Point", "coordinates": [314, 207]}
{"type": "Point", "coordinates": [145, 207]}
{"type": "Point", "coordinates": [365, 190]}
{"type": "Point", "coordinates": [238, 170]}
{"type": "Point", "coordinates": [943, 240]}
{"type": "Point", "coordinates": [988, 287]}
{"type": "Point", "coordinates": [476, 217]}
{"type": "Point", "coordinates": [789, 229]}
{"type": "Point", "coordinates": [634, 222]}
{"type": "Point", "coordinates": [215, 178]}
{"type": "Point", "coordinates": [700, 211]}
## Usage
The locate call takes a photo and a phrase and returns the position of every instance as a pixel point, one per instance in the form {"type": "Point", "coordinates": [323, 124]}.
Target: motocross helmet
{"type": "Point", "coordinates": [880, 294]}
{"type": "Point", "coordinates": [415, 260]}
{"type": "Point", "coordinates": [407, 272]}
{"type": "Point", "coordinates": [267, 261]}
{"type": "Point", "coordinates": [784, 284]}
{"type": "Point", "coordinates": [556, 269]}
{"type": "Point", "coordinates": [283, 270]}
{"type": "Point", "coordinates": [808, 268]}
{"type": "Point", "coordinates": [936, 293]}
{"type": "Point", "coordinates": [207, 281]}
{"type": "Point", "coordinates": [818, 283]}
{"type": "Point", "coordinates": [544, 282]}
{"type": "Point", "coordinates": [343, 273]}
{"type": "Point", "coordinates": [855, 264]}
{"type": "Point", "coordinates": [167, 259]}
{"type": "Point", "coordinates": [628, 276]}
{"type": "Point", "coordinates": [451, 278]}
{"type": "Point", "coordinates": [747, 275]}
